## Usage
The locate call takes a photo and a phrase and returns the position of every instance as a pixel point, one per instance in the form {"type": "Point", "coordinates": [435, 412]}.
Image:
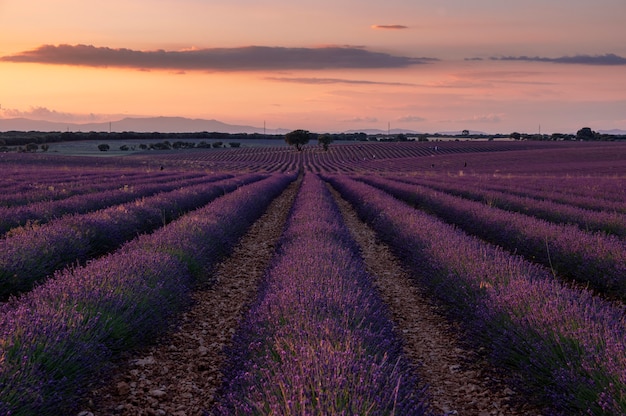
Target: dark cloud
{"type": "Point", "coordinates": [216, 59]}
{"type": "Point", "coordinates": [607, 59]}
{"type": "Point", "coordinates": [407, 119]}
{"type": "Point", "coordinates": [323, 81]}
{"type": "Point", "coordinates": [393, 27]}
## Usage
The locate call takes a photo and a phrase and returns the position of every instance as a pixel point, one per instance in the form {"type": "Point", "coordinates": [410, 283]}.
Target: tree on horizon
{"type": "Point", "coordinates": [298, 138]}
{"type": "Point", "coordinates": [325, 140]}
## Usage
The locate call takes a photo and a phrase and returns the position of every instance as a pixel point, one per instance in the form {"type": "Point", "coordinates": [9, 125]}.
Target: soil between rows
{"type": "Point", "coordinates": [180, 375]}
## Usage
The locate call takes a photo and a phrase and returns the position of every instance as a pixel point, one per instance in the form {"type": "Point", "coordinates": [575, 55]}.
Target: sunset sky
{"type": "Point", "coordinates": [323, 65]}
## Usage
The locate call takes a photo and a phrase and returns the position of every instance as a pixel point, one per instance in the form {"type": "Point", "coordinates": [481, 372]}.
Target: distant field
{"type": "Point", "coordinates": [90, 147]}
{"type": "Point", "coordinates": [452, 157]}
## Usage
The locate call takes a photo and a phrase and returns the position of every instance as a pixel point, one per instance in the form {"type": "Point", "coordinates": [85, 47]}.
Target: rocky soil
{"type": "Point", "coordinates": [180, 375]}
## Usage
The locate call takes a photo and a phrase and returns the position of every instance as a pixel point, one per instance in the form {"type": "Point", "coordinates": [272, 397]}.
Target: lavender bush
{"type": "Point", "coordinates": [318, 340]}
{"type": "Point", "coordinates": [95, 199]}
{"type": "Point", "coordinates": [64, 332]}
{"type": "Point", "coordinates": [596, 259]}
{"type": "Point", "coordinates": [30, 254]}
{"type": "Point", "coordinates": [557, 343]}
{"type": "Point", "coordinates": [610, 222]}
{"type": "Point", "coordinates": [597, 193]}
{"type": "Point", "coordinates": [34, 184]}
{"type": "Point", "coordinates": [57, 337]}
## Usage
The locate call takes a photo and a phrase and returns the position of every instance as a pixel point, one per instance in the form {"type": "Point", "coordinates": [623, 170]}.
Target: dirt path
{"type": "Point", "coordinates": [460, 383]}
{"type": "Point", "coordinates": [180, 375]}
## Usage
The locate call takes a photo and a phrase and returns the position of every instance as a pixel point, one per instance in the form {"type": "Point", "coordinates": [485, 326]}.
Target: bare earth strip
{"type": "Point", "coordinates": [459, 382]}
{"type": "Point", "coordinates": [181, 374]}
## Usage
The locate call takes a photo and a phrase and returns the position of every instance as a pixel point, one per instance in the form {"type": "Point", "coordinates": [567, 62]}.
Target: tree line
{"type": "Point", "coordinates": [23, 138]}
{"type": "Point", "coordinates": [34, 140]}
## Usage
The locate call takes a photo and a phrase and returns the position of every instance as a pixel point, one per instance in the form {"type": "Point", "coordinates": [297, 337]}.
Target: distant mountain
{"type": "Point", "coordinates": [178, 125]}
{"type": "Point", "coordinates": [384, 132]}
{"type": "Point", "coordinates": [406, 131]}
{"type": "Point", "coordinates": [140, 125]}
{"type": "Point", "coordinates": [616, 132]}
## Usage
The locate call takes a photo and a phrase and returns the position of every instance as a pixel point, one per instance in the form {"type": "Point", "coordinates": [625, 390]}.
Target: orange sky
{"type": "Point", "coordinates": [427, 66]}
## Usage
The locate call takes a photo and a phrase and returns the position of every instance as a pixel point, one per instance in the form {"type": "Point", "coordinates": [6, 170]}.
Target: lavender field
{"type": "Point", "coordinates": [141, 284]}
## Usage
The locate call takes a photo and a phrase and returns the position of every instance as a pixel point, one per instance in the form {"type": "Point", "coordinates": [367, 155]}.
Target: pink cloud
{"type": "Point", "coordinates": [362, 120]}
{"type": "Point", "coordinates": [483, 118]}
{"type": "Point", "coordinates": [392, 27]}
{"type": "Point", "coordinates": [44, 113]}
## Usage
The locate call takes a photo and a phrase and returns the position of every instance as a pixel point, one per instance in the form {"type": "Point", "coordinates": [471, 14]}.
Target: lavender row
{"type": "Point", "coordinates": [597, 193]}
{"type": "Point", "coordinates": [610, 222]}
{"type": "Point", "coordinates": [559, 344]}
{"type": "Point", "coordinates": [41, 212]}
{"type": "Point", "coordinates": [24, 179]}
{"type": "Point", "coordinates": [254, 159]}
{"type": "Point", "coordinates": [348, 157]}
{"type": "Point", "coordinates": [607, 188]}
{"type": "Point", "coordinates": [58, 337]}
{"type": "Point", "coordinates": [47, 189]}
{"type": "Point", "coordinates": [318, 340]}
{"type": "Point", "coordinates": [585, 198]}
{"type": "Point", "coordinates": [596, 259]}
{"type": "Point", "coordinates": [31, 254]}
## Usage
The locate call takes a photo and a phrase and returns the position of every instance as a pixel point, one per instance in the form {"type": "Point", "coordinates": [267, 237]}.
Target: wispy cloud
{"type": "Point", "coordinates": [362, 120]}
{"type": "Point", "coordinates": [322, 81]}
{"type": "Point", "coordinates": [459, 83]}
{"type": "Point", "coordinates": [391, 27]}
{"type": "Point", "coordinates": [246, 58]}
{"type": "Point", "coordinates": [408, 119]}
{"type": "Point", "coordinates": [490, 78]}
{"type": "Point", "coordinates": [49, 114]}
{"type": "Point", "coordinates": [44, 113]}
{"type": "Point", "coordinates": [482, 118]}
{"type": "Point", "coordinates": [606, 59]}
{"type": "Point", "coordinates": [490, 118]}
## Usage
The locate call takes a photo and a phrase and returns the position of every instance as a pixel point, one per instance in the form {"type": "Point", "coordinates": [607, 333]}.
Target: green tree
{"type": "Point", "coordinates": [32, 147]}
{"type": "Point", "coordinates": [104, 147]}
{"type": "Point", "coordinates": [586, 134]}
{"type": "Point", "coordinates": [297, 138]}
{"type": "Point", "coordinates": [325, 140]}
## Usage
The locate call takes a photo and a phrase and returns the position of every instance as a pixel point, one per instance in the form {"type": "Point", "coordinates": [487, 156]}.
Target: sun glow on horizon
{"type": "Point", "coordinates": [418, 66]}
